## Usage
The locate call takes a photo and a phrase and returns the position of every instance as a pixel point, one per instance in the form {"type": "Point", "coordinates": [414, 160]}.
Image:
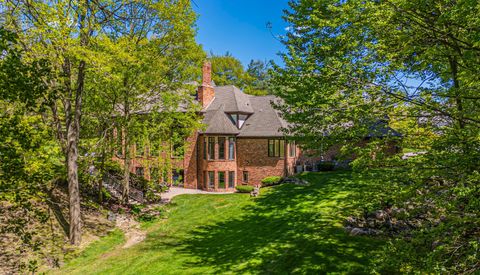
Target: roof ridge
{"type": "Point", "coordinates": [235, 96]}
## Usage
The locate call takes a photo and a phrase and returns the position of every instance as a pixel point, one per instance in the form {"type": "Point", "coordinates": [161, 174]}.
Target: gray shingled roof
{"type": "Point", "coordinates": [218, 123]}
{"type": "Point", "coordinates": [232, 99]}
{"type": "Point", "coordinates": [263, 119]}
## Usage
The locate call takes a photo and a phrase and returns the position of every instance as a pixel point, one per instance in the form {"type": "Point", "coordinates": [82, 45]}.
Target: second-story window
{"type": "Point", "coordinates": [139, 148]}
{"type": "Point", "coordinates": [178, 149]}
{"type": "Point", "coordinates": [221, 148]}
{"type": "Point", "coordinates": [154, 149]}
{"type": "Point", "coordinates": [205, 148]}
{"type": "Point", "coordinates": [211, 148]}
{"type": "Point", "coordinates": [276, 148]}
{"type": "Point", "coordinates": [231, 148]}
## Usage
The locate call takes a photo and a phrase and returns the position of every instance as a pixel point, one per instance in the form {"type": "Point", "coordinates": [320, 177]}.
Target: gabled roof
{"type": "Point", "coordinates": [232, 99]}
{"type": "Point", "coordinates": [262, 121]}
{"type": "Point", "coordinates": [218, 123]}
{"type": "Point", "coordinates": [265, 121]}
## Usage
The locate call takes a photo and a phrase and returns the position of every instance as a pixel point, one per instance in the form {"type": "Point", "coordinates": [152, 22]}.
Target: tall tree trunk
{"type": "Point", "coordinates": [126, 178]}
{"type": "Point", "coordinates": [73, 186]}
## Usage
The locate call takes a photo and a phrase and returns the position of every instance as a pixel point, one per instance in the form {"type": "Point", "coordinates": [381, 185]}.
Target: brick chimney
{"type": "Point", "coordinates": [206, 93]}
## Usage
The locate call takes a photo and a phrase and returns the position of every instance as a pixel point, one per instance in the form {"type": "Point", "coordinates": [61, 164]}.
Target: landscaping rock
{"type": "Point", "coordinates": [255, 192]}
{"type": "Point", "coordinates": [357, 231]}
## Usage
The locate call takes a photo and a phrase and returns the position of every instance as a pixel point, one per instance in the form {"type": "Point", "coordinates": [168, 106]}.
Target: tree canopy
{"type": "Point", "coordinates": [228, 70]}
{"type": "Point", "coordinates": [411, 64]}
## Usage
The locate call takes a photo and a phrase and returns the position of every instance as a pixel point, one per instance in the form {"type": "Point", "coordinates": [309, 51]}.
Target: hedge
{"type": "Point", "coordinates": [272, 180]}
{"type": "Point", "coordinates": [244, 188]}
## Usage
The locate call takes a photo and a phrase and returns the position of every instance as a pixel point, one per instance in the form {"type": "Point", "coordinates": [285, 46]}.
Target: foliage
{"type": "Point", "coordinates": [244, 188]}
{"type": "Point", "coordinates": [271, 180]}
{"type": "Point", "coordinates": [30, 161]}
{"type": "Point", "coordinates": [413, 65]}
{"type": "Point", "coordinates": [228, 70]}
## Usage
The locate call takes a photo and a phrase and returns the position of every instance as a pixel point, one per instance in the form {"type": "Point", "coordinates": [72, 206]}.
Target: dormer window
{"type": "Point", "coordinates": [238, 119]}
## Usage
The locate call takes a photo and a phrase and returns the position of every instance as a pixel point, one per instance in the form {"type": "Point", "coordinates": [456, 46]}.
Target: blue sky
{"type": "Point", "coordinates": [239, 27]}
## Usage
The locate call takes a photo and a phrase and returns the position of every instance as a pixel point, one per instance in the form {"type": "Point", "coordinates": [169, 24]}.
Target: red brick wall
{"type": "Point", "coordinates": [252, 156]}
{"type": "Point", "coordinates": [190, 162]}
{"type": "Point", "coordinates": [215, 165]}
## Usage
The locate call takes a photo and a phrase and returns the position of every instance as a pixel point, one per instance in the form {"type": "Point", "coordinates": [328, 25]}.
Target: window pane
{"type": "Point", "coordinates": [241, 120]}
{"type": "Point", "coordinates": [293, 148]}
{"type": "Point", "coordinates": [271, 150]}
{"type": "Point", "coordinates": [211, 179]}
{"type": "Point", "coordinates": [277, 148]}
{"type": "Point", "coordinates": [231, 148]}
{"type": "Point", "coordinates": [211, 148]}
{"type": "Point", "coordinates": [281, 148]}
{"type": "Point", "coordinates": [139, 149]}
{"type": "Point", "coordinates": [234, 119]}
{"type": "Point", "coordinates": [205, 179]}
{"type": "Point", "coordinates": [221, 148]}
{"type": "Point", "coordinates": [154, 174]}
{"type": "Point", "coordinates": [205, 149]}
{"type": "Point", "coordinates": [245, 176]}
{"type": "Point", "coordinates": [231, 179]}
{"type": "Point", "coordinates": [139, 171]}
{"type": "Point", "coordinates": [178, 149]}
{"type": "Point", "coordinates": [221, 179]}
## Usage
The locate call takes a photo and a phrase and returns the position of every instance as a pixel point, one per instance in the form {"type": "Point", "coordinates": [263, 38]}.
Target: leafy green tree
{"type": "Point", "coordinates": [259, 77]}
{"type": "Point", "coordinates": [413, 64]}
{"type": "Point", "coordinates": [30, 160]}
{"type": "Point", "coordinates": [106, 41]}
{"type": "Point", "coordinates": [146, 90]}
{"type": "Point", "coordinates": [228, 70]}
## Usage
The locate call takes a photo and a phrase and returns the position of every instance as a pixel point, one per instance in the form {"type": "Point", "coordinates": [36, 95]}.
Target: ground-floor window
{"type": "Point", "coordinates": [139, 171]}
{"type": "Point", "coordinates": [154, 174]}
{"type": "Point", "coordinates": [221, 180]}
{"type": "Point", "coordinates": [211, 179]}
{"type": "Point", "coordinates": [245, 176]}
{"type": "Point", "coordinates": [231, 179]}
{"type": "Point", "coordinates": [177, 177]}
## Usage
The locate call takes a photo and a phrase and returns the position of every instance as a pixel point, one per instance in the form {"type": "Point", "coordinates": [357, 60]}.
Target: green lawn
{"type": "Point", "coordinates": [288, 229]}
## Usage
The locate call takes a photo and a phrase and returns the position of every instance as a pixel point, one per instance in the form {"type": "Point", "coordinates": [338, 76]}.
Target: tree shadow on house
{"type": "Point", "coordinates": [290, 229]}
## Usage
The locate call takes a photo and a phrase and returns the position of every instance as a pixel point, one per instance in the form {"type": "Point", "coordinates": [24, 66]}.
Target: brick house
{"type": "Point", "coordinates": [241, 143]}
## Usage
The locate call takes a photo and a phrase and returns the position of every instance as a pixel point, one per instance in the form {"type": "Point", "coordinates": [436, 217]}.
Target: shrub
{"type": "Point", "coordinates": [326, 166]}
{"type": "Point", "coordinates": [244, 188]}
{"type": "Point", "coordinates": [272, 180]}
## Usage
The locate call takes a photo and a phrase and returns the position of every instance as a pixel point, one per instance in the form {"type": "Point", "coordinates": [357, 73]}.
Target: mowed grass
{"type": "Point", "coordinates": [288, 229]}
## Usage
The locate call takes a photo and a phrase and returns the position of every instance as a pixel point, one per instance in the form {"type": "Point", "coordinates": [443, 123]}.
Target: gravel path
{"type": "Point", "coordinates": [175, 191]}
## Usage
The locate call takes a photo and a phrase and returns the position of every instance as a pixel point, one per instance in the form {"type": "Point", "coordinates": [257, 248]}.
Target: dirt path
{"type": "Point", "coordinates": [131, 229]}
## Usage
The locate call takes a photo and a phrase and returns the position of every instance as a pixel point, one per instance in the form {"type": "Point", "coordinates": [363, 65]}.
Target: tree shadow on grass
{"type": "Point", "coordinates": [290, 229]}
